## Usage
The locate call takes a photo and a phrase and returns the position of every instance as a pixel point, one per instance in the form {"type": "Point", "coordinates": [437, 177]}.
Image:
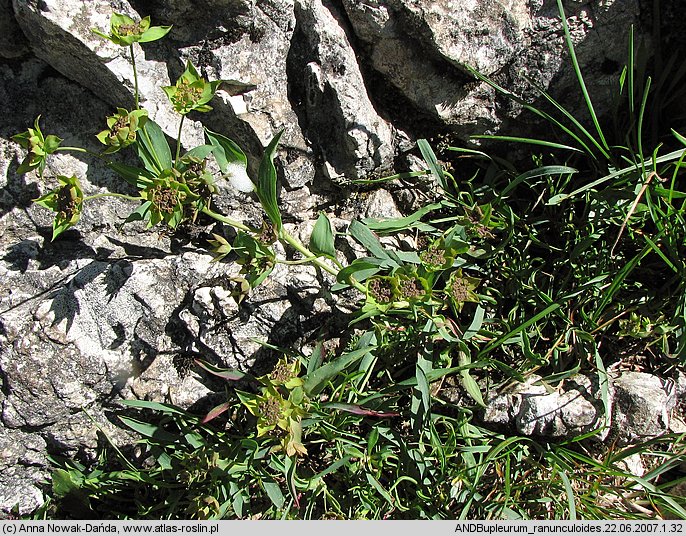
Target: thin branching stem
{"type": "Point", "coordinates": [229, 221]}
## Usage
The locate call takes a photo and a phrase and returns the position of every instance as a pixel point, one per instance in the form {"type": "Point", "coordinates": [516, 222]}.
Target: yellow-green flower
{"type": "Point", "coordinates": [125, 31]}
{"type": "Point", "coordinates": [39, 147]}
{"type": "Point", "coordinates": [285, 373]}
{"type": "Point", "coordinates": [380, 290]}
{"type": "Point", "coordinates": [460, 289]}
{"type": "Point", "coordinates": [66, 201]}
{"type": "Point", "coordinates": [121, 129]}
{"type": "Point", "coordinates": [191, 91]}
{"type": "Point", "coordinates": [437, 256]}
{"type": "Point", "coordinates": [409, 287]}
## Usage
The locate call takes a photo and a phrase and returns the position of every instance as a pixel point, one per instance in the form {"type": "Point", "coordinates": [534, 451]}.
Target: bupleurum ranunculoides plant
{"type": "Point", "coordinates": [173, 188]}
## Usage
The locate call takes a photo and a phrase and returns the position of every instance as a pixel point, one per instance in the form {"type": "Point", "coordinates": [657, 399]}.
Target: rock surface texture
{"type": "Point", "coordinates": [109, 312]}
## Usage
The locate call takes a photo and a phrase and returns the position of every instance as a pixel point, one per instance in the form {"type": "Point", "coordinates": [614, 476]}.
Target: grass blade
{"type": "Point", "coordinates": [579, 77]}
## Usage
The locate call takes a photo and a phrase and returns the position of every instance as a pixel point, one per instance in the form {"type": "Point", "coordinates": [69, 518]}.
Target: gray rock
{"type": "Point", "coordinates": [643, 406]}
{"type": "Point", "coordinates": [13, 44]}
{"type": "Point", "coordinates": [535, 409]}
{"type": "Point", "coordinates": [352, 137]}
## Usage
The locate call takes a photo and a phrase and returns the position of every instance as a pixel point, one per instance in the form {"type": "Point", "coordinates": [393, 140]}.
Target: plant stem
{"type": "Point", "coordinates": [314, 259]}
{"type": "Point", "coordinates": [135, 76]}
{"type": "Point", "coordinates": [81, 150]}
{"type": "Point", "coordinates": [178, 143]}
{"type": "Point", "coordinates": [229, 221]}
{"type": "Point", "coordinates": [112, 194]}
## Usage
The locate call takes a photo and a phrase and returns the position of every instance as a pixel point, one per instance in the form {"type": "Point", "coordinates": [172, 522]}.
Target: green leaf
{"type": "Point", "coordinates": [66, 482]}
{"type": "Point", "coordinates": [393, 225]}
{"type": "Point", "coordinates": [225, 150]}
{"type": "Point", "coordinates": [468, 382]}
{"type": "Point", "coordinates": [149, 430]}
{"type": "Point", "coordinates": [140, 178]}
{"type": "Point", "coordinates": [432, 162]}
{"type": "Point", "coordinates": [378, 487]}
{"type": "Point", "coordinates": [266, 183]}
{"type": "Point", "coordinates": [225, 374]}
{"type": "Point", "coordinates": [679, 137]}
{"type": "Point", "coordinates": [274, 493]}
{"type": "Point", "coordinates": [356, 409]}
{"type": "Point", "coordinates": [216, 411]}
{"type": "Point", "coordinates": [360, 232]}
{"type": "Point", "coordinates": [322, 239]}
{"type": "Point", "coordinates": [359, 269]}
{"type": "Point", "coordinates": [140, 213]}
{"type": "Point", "coordinates": [153, 148]}
{"type": "Point", "coordinates": [532, 141]}
{"type": "Point", "coordinates": [538, 172]}
{"type": "Point", "coordinates": [167, 409]}
{"type": "Point", "coordinates": [154, 33]}
{"type": "Point", "coordinates": [317, 380]}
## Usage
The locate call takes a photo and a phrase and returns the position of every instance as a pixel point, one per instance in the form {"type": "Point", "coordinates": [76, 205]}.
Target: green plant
{"type": "Point", "coordinates": [554, 268]}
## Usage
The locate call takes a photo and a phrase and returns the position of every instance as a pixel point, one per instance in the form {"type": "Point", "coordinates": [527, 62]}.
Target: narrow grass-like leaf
{"type": "Point", "coordinates": [530, 141]}
{"type": "Point", "coordinates": [609, 294]}
{"type": "Point", "coordinates": [659, 252]}
{"type": "Point", "coordinates": [359, 410]}
{"type": "Point", "coordinates": [641, 113]}
{"type": "Point", "coordinates": [557, 199]}
{"type": "Point", "coordinates": [149, 430]}
{"type": "Point", "coordinates": [511, 334]}
{"type": "Point", "coordinates": [432, 162]}
{"type": "Point", "coordinates": [167, 409]}
{"type": "Point", "coordinates": [332, 468]}
{"type": "Point", "coordinates": [579, 77]}
{"type": "Point", "coordinates": [538, 172]}
{"type": "Point", "coordinates": [225, 374]}
{"type": "Point", "coordinates": [547, 117]}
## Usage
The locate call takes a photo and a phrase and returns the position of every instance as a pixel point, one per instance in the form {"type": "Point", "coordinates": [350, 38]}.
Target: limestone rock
{"type": "Point", "coordinates": [535, 409]}
{"type": "Point", "coordinates": [643, 406]}
{"type": "Point", "coordinates": [351, 135]}
{"type": "Point", "coordinates": [13, 44]}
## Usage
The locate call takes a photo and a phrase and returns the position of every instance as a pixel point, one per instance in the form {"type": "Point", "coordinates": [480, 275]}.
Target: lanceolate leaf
{"type": "Point", "coordinates": [392, 225]}
{"type": "Point", "coordinates": [153, 148]}
{"type": "Point", "coordinates": [432, 162]}
{"type": "Point", "coordinates": [368, 239]}
{"type": "Point", "coordinates": [225, 150]}
{"type": "Point", "coordinates": [226, 374]}
{"type": "Point", "coordinates": [317, 380]}
{"type": "Point", "coordinates": [322, 240]}
{"type": "Point", "coordinates": [216, 412]}
{"type": "Point", "coordinates": [266, 183]}
{"type": "Point", "coordinates": [140, 178]}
